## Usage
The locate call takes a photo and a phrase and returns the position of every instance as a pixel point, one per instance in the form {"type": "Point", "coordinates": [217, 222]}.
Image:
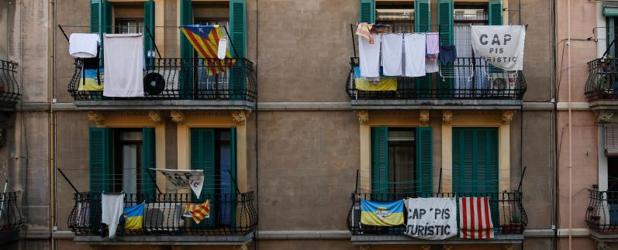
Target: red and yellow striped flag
{"type": "Point", "coordinates": [205, 40]}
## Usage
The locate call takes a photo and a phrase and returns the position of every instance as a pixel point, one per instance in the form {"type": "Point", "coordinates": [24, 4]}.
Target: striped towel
{"type": "Point", "coordinates": [475, 218]}
{"type": "Point", "coordinates": [199, 212]}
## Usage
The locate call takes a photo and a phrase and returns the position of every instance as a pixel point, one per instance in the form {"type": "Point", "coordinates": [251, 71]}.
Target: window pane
{"type": "Point", "coordinates": [398, 16]}
{"type": "Point", "coordinates": [402, 157]}
{"type": "Point", "coordinates": [129, 168]}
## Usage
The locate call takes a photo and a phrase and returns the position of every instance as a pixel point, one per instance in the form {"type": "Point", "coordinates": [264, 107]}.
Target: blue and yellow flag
{"type": "Point", "coordinates": [375, 213]}
{"type": "Point", "coordinates": [134, 216]}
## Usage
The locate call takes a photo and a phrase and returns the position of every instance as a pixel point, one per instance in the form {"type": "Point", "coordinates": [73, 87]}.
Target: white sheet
{"type": "Point", "coordinates": [369, 55]}
{"type": "Point", "coordinates": [414, 51]}
{"type": "Point", "coordinates": [83, 45]}
{"type": "Point", "coordinates": [124, 65]}
{"type": "Point", "coordinates": [111, 210]}
{"type": "Point", "coordinates": [392, 54]}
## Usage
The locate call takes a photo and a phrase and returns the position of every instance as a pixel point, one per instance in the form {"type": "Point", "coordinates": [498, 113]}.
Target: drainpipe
{"type": "Point", "coordinates": [52, 123]}
{"type": "Point", "coordinates": [570, 124]}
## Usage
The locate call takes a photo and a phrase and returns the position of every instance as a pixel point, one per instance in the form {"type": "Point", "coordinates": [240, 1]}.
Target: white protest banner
{"type": "Point", "coordinates": [431, 218]}
{"type": "Point", "coordinates": [501, 45]}
{"type": "Point", "coordinates": [185, 178]}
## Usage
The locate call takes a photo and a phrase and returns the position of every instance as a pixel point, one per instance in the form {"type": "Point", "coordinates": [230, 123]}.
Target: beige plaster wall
{"type": "Point", "coordinates": [308, 163]}
{"type": "Point", "coordinates": [585, 169]}
{"type": "Point", "coordinates": [583, 20]}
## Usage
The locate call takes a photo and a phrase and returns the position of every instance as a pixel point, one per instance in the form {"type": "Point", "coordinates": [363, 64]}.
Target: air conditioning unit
{"type": "Point", "coordinates": [163, 217]}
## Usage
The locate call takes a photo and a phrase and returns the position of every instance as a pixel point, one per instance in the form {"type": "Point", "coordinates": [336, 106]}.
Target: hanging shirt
{"type": "Point", "coordinates": [433, 43]}
{"type": "Point", "coordinates": [111, 210]}
{"type": "Point", "coordinates": [83, 45]}
{"type": "Point", "coordinates": [414, 50]}
{"type": "Point", "coordinates": [392, 54]}
{"type": "Point", "coordinates": [369, 56]}
{"type": "Point", "coordinates": [124, 65]}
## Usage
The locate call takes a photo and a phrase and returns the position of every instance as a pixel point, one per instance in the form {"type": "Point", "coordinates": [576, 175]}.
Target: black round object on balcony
{"type": "Point", "coordinates": [154, 83]}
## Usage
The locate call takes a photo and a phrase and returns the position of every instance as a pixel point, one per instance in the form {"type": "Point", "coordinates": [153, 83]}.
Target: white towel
{"type": "Point", "coordinates": [83, 45]}
{"type": "Point", "coordinates": [124, 65]}
{"type": "Point", "coordinates": [392, 54]}
{"type": "Point", "coordinates": [414, 50]}
{"type": "Point", "coordinates": [369, 56]}
{"type": "Point", "coordinates": [431, 64]}
{"type": "Point", "coordinates": [111, 210]}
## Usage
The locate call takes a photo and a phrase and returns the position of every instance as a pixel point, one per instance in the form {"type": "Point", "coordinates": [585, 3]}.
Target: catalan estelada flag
{"type": "Point", "coordinates": [205, 40]}
{"type": "Point", "coordinates": [375, 213]}
{"type": "Point", "coordinates": [134, 217]}
{"type": "Point", "coordinates": [475, 218]}
{"type": "Point", "coordinates": [199, 212]}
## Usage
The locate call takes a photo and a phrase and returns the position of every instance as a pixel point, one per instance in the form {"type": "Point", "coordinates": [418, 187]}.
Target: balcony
{"type": "Point", "coordinates": [602, 214]}
{"type": "Point", "coordinates": [11, 220]}
{"type": "Point", "coordinates": [196, 83]}
{"type": "Point", "coordinates": [468, 83]}
{"type": "Point", "coordinates": [9, 89]}
{"type": "Point", "coordinates": [233, 219]}
{"type": "Point", "coordinates": [509, 223]}
{"type": "Point", "coordinates": [602, 84]}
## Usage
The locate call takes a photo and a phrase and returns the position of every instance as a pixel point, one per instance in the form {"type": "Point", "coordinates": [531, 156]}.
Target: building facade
{"type": "Point", "coordinates": [289, 138]}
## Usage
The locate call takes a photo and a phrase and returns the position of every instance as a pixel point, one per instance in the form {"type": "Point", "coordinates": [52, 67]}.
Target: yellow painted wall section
{"type": "Point", "coordinates": [140, 120]}
{"type": "Point", "coordinates": [214, 120]}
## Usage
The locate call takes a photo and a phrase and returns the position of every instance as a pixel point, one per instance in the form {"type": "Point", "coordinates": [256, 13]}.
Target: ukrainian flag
{"type": "Point", "coordinates": [375, 213]}
{"type": "Point", "coordinates": [134, 217]}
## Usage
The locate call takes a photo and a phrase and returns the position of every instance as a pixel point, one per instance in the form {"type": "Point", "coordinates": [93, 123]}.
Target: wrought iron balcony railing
{"type": "Point", "coordinates": [168, 214]}
{"type": "Point", "coordinates": [465, 79]}
{"type": "Point", "coordinates": [507, 213]}
{"type": "Point", "coordinates": [11, 219]}
{"type": "Point", "coordinates": [602, 212]}
{"type": "Point", "coordinates": [175, 79]}
{"type": "Point", "coordinates": [9, 89]}
{"type": "Point", "coordinates": [602, 83]}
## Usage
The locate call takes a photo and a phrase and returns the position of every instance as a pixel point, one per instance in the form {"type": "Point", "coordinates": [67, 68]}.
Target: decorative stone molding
{"type": "Point", "coordinates": [364, 248]}
{"type": "Point", "coordinates": [447, 117]}
{"type": "Point", "coordinates": [155, 116]}
{"type": "Point", "coordinates": [363, 117]}
{"type": "Point", "coordinates": [423, 117]}
{"type": "Point", "coordinates": [242, 247]}
{"type": "Point", "coordinates": [508, 247]}
{"type": "Point", "coordinates": [507, 116]}
{"type": "Point", "coordinates": [177, 116]}
{"type": "Point", "coordinates": [97, 118]}
{"type": "Point", "coordinates": [605, 116]}
{"type": "Point", "coordinates": [425, 247]}
{"type": "Point", "coordinates": [447, 247]}
{"type": "Point", "coordinates": [240, 117]}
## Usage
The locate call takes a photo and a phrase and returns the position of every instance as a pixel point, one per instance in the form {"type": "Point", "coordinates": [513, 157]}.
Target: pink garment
{"type": "Point", "coordinates": [433, 43]}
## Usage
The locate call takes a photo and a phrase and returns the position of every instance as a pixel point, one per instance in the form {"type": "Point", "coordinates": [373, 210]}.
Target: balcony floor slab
{"type": "Point", "coordinates": [405, 240]}
{"type": "Point", "coordinates": [223, 240]}
{"type": "Point", "coordinates": [164, 105]}
{"type": "Point", "coordinates": [437, 104]}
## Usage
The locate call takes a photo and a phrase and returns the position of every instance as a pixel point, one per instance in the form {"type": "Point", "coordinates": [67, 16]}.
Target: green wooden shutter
{"type": "Point", "coordinates": [149, 32]}
{"type": "Point", "coordinates": [95, 15]}
{"type": "Point", "coordinates": [495, 12]}
{"type": "Point", "coordinates": [238, 33]}
{"type": "Point", "coordinates": [422, 23]}
{"type": "Point", "coordinates": [446, 24]}
{"type": "Point", "coordinates": [475, 160]}
{"type": "Point", "coordinates": [100, 157]}
{"type": "Point", "coordinates": [203, 157]}
{"type": "Point", "coordinates": [186, 51]}
{"type": "Point", "coordinates": [238, 27]}
{"type": "Point", "coordinates": [424, 160]}
{"type": "Point", "coordinates": [446, 21]}
{"type": "Point", "coordinates": [367, 11]}
{"type": "Point", "coordinates": [422, 16]}
{"type": "Point", "coordinates": [379, 160]}
{"type": "Point", "coordinates": [148, 162]}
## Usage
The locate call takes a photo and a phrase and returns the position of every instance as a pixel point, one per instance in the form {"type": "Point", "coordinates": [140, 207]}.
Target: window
{"type": "Point", "coordinates": [475, 160]}
{"type": "Point", "coordinates": [214, 151]}
{"type": "Point", "coordinates": [128, 18]}
{"type": "Point", "coordinates": [401, 160]}
{"type": "Point", "coordinates": [120, 160]}
{"type": "Point", "coordinates": [127, 166]}
{"type": "Point", "coordinates": [397, 16]}
{"type": "Point", "coordinates": [402, 156]}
